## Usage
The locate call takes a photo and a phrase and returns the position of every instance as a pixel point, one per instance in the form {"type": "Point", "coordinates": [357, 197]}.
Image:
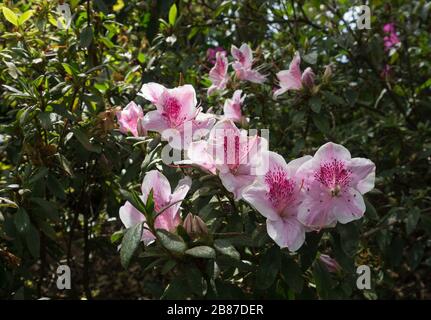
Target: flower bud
{"type": "Point", "coordinates": [188, 224]}
{"type": "Point", "coordinates": [308, 78]}
{"type": "Point", "coordinates": [327, 75]}
{"type": "Point", "coordinates": [330, 263]}
{"type": "Point", "coordinates": [199, 226]}
{"type": "Point", "coordinates": [195, 226]}
{"type": "Point", "coordinates": [142, 132]}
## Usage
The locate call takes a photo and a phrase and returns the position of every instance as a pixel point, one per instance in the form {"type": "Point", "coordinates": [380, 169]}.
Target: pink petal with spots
{"type": "Point", "coordinates": [288, 233]}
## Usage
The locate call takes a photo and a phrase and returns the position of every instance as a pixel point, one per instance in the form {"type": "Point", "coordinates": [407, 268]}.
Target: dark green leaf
{"type": "Point", "coordinates": [22, 220]}
{"type": "Point", "coordinates": [83, 139]}
{"type": "Point", "coordinates": [171, 241]}
{"type": "Point", "coordinates": [86, 37]}
{"type": "Point", "coordinates": [130, 243]}
{"type": "Point", "coordinates": [201, 252]}
{"type": "Point", "coordinates": [268, 268]}
{"type": "Point", "coordinates": [226, 248]}
{"type": "Point", "coordinates": [315, 104]}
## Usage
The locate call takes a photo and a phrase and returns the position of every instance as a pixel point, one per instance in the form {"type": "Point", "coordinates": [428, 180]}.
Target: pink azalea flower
{"type": "Point", "coordinates": [230, 152]}
{"type": "Point", "coordinates": [334, 183]}
{"type": "Point", "coordinates": [163, 198]}
{"type": "Point", "coordinates": [130, 119]}
{"type": "Point", "coordinates": [276, 194]}
{"type": "Point", "coordinates": [391, 39]}
{"type": "Point", "coordinates": [330, 263]}
{"type": "Point", "coordinates": [243, 64]}
{"type": "Point", "coordinates": [212, 52]}
{"type": "Point", "coordinates": [176, 109]}
{"type": "Point", "coordinates": [218, 74]}
{"type": "Point", "coordinates": [293, 79]}
{"type": "Point", "coordinates": [232, 107]}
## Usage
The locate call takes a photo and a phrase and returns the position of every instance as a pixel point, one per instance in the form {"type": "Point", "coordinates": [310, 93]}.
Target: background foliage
{"type": "Point", "coordinates": [63, 164]}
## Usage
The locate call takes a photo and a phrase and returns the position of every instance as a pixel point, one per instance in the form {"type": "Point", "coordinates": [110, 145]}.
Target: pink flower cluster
{"type": "Point", "coordinates": [390, 40]}
{"type": "Point", "coordinates": [293, 78]}
{"type": "Point", "coordinates": [310, 193]}
{"type": "Point", "coordinates": [242, 65]}
{"type": "Point", "coordinates": [306, 194]}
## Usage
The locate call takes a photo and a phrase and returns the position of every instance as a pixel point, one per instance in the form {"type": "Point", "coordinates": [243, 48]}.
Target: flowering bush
{"type": "Point", "coordinates": [182, 149]}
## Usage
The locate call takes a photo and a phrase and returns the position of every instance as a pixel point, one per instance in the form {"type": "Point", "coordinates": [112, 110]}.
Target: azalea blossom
{"type": "Point", "coordinates": [232, 107]}
{"type": "Point", "coordinates": [243, 64]}
{"type": "Point", "coordinates": [218, 74]}
{"type": "Point", "coordinates": [164, 199]}
{"type": "Point", "coordinates": [232, 154]}
{"type": "Point", "coordinates": [176, 109]}
{"type": "Point", "coordinates": [334, 183]}
{"type": "Point", "coordinates": [330, 263]}
{"type": "Point", "coordinates": [130, 120]}
{"type": "Point", "coordinates": [276, 194]}
{"type": "Point", "coordinates": [391, 39]}
{"type": "Point", "coordinates": [293, 79]}
{"type": "Point", "coordinates": [212, 52]}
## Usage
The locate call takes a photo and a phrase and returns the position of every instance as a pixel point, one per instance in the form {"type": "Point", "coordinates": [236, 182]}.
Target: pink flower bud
{"type": "Point", "coordinates": [330, 263]}
{"type": "Point", "coordinates": [308, 78]}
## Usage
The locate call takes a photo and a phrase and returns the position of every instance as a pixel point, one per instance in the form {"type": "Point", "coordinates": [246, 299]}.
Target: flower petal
{"type": "Point", "coordinates": [363, 174]}
{"type": "Point", "coordinates": [288, 233]}
{"type": "Point", "coordinates": [255, 195]}
{"type": "Point", "coordinates": [186, 96]}
{"type": "Point", "coordinates": [152, 91]}
{"type": "Point", "coordinates": [130, 216]}
{"type": "Point", "coordinates": [236, 183]}
{"type": "Point", "coordinates": [154, 121]}
{"type": "Point", "coordinates": [349, 206]}
{"type": "Point", "coordinates": [156, 181]}
{"type": "Point", "coordinates": [179, 194]}
{"type": "Point", "coordinates": [331, 151]}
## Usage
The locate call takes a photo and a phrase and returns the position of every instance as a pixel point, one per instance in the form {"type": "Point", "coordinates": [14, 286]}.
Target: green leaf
{"type": "Point", "coordinates": [321, 122]}
{"type": "Point", "coordinates": [323, 281]}
{"type": "Point", "coordinates": [292, 274]}
{"type": "Point", "coordinates": [22, 220]}
{"type": "Point", "coordinates": [86, 37]}
{"type": "Point", "coordinates": [370, 212]}
{"type": "Point", "coordinates": [202, 252]}
{"type": "Point", "coordinates": [349, 234]}
{"type": "Point", "coordinates": [134, 199]}
{"type": "Point", "coordinates": [412, 219]}
{"type": "Point", "coordinates": [173, 14]}
{"type": "Point", "coordinates": [84, 140]}
{"type": "Point", "coordinates": [10, 16]}
{"type": "Point", "coordinates": [415, 255]}
{"type": "Point", "coordinates": [55, 187]}
{"type": "Point", "coordinates": [32, 239]}
{"type": "Point", "coordinates": [68, 68]}
{"type": "Point", "coordinates": [226, 248]}
{"type": "Point", "coordinates": [168, 266]}
{"type": "Point", "coordinates": [130, 243]}
{"type": "Point", "coordinates": [116, 236]}
{"type": "Point", "coordinates": [315, 104]}
{"type": "Point", "coordinates": [171, 241]}
{"type": "Point", "coordinates": [311, 58]}
{"type": "Point", "coordinates": [268, 268]}
{"type": "Point", "coordinates": [25, 16]}
{"type": "Point", "coordinates": [48, 208]}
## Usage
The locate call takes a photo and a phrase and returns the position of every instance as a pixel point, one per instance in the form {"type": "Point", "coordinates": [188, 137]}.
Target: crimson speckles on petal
{"type": "Point", "coordinates": [334, 176]}
{"type": "Point", "coordinates": [281, 188]}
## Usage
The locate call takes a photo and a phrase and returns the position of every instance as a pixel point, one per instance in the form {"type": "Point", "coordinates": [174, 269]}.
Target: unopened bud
{"type": "Point", "coordinates": [142, 132]}
{"type": "Point", "coordinates": [330, 263]}
{"type": "Point", "coordinates": [327, 75]}
{"type": "Point", "coordinates": [188, 224]}
{"type": "Point", "coordinates": [194, 226]}
{"type": "Point", "coordinates": [199, 226]}
{"type": "Point", "coordinates": [308, 78]}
